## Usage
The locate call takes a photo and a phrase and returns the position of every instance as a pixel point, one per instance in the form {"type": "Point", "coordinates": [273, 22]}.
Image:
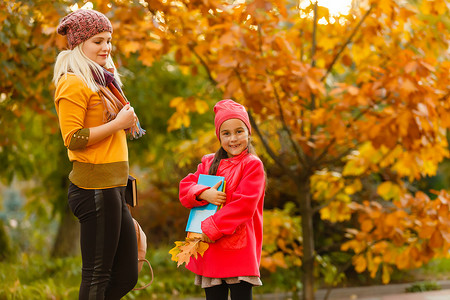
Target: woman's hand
{"type": "Point", "coordinates": [205, 238]}
{"type": "Point", "coordinates": [126, 117]}
{"type": "Point", "coordinates": [212, 195]}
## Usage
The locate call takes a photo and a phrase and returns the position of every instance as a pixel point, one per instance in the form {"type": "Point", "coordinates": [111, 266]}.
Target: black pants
{"type": "Point", "coordinates": [108, 242]}
{"type": "Point", "coordinates": [239, 291]}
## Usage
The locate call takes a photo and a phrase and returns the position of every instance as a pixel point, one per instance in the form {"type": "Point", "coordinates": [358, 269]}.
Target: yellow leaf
{"type": "Point", "coordinates": [354, 187]}
{"type": "Point", "coordinates": [153, 45]}
{"type": "Point", "coordinates": [407, 86]}
{"type": "Point", "coordinates": [175, 250]}
{"type": "Point", "coordinates": [183, 251]}
{"type": "Point", "coordinates": [186, 251]}
{"type": "Point", "coordinates": [360, 263]}
{"type": "Point", "coordinates": [386, 276]}
{"type": "Point", "coordinates": [147, 58]}
{"type": "Point", "coordinates": [440, 7]}
{"type": "Point", "coordinates": [175, 102]}
{"type": "Point", "coordinates": [389, 190]}
{"type": "Point", "coordinates": [279, 261]}
{"type": "Point", "coordinates": [402, 261]}
{"type": "Point", "coordinates": [353, 167]}
{"type": "Point", "coordinates": [129, 47]}
{"type": "Point", "coordinates": [202, 247]}
{"type": "Point", "coordinates": [374, 266]}
{"type": "Point", "coordinates": [325, 213]}
{"type": "Point", "coordinates": [201, 106]}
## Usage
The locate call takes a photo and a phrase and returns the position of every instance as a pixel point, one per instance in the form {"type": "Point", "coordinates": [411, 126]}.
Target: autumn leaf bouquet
{"type": "Point", "coordinates": [191, 246]}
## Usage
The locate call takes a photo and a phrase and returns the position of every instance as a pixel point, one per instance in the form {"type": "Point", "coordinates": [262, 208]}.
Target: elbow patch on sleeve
{"type": "Point", "coordinates": [79, 139]}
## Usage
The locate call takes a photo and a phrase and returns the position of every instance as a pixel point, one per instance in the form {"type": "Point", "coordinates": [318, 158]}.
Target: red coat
{"type": "Point", "coordinates": [237, 228]}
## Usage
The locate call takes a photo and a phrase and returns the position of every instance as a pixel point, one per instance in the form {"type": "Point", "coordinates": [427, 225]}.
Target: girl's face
{"type": "Point", "coordinates": [98, 47]}
{"type": "Point", "coordinates": [233, 136]}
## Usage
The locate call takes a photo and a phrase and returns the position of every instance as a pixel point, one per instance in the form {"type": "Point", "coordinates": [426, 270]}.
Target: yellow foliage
{"type": "Point", "coordinates": [388, 110]}
{"type": "Point", "coordinates": [389, 191]}
{"type": "Point", "coordinates": [184, 250]}
{"type": "Point", "coordinates": [282, 240]}
{"type": "Point", "coordinates": [360, 263]}
{"type": "Point", "coordinates": [184, 107]}
{"type": "Point", "coordinates": [367, 225]}
{"type": "Point", "coordinates": [336, 212]}
{"type": "Point", "coordinates": [331, 188]}
{"type": "Point", "coordinates": [386, 275]}
{"type": "Point", "coordinates": [410, 233]}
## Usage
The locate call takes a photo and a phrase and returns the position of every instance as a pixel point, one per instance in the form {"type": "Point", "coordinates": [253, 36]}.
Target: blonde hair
{"type": "Point", "coordinates": [76, 62]}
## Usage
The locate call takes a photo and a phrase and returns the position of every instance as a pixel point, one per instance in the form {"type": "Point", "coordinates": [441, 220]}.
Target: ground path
{"type": "Point", "coordinates": [378, 292]}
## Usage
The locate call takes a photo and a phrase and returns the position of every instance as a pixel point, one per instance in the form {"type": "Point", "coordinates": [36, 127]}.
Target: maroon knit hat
{"type": "Point", "coordinates": [83, 24]}
{"type": "Point", "coordinates": [228, 109]}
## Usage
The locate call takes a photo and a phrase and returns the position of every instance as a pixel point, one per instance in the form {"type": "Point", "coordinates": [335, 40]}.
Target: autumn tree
{"type": "Point", "coordinates": [336, 101]}
{"type": "Point", "coordinates": [31, 148]}
{"type": "Point", "coordinates": [352, 108]}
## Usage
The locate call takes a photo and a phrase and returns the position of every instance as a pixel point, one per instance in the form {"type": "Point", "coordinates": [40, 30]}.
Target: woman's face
{"type": "Point", "coordinates": [98, 47]}
{"type": "Point", "coordinates": [233, 136]}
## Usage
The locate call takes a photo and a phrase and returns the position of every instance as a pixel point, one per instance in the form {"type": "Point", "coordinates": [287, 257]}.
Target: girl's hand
{"type": "Point", "coordinates": [126, 117]}
{"type": "Point", "coordinates": [212, 195]}
{"type": "Point", "coordinates": [205, 238]}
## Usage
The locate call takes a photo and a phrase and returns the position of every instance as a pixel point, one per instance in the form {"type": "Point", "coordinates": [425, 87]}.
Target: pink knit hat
{"type": "Point", "coordinates": [228, 109]}
{"type": "Point", "coordinates": [83, 24]}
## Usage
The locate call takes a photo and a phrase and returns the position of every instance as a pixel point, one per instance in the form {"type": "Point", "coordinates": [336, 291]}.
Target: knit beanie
{"type": "Point", "coordinates": [83, 24]}
{"type": "Point", "coordinates": [228, 109]}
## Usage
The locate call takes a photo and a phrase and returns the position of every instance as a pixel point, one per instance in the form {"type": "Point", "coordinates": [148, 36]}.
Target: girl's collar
{"type": "Point", "coordinates": [238, 157]}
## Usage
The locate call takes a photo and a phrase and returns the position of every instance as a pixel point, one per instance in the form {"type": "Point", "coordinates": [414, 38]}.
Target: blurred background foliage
{"type": "Point", "coordinates": [173, 95]}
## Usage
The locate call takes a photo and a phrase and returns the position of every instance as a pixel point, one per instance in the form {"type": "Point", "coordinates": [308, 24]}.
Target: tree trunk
{"type": "Point", "coordinates": [304, 198]}
{"type": "Point", "coordinates": [5, 245]}
{"type": "Point", "coordinates": [67, 239]}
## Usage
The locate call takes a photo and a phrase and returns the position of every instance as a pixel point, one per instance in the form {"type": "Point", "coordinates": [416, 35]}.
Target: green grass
{"type": "Point", "coordinates": [436, 269]}
{"type": "Point", "coordinates": [423, 287]}
{"type": "Point", "coordinates": [39, 278]}
{"type": "Point", "coordinates": [36, 277]}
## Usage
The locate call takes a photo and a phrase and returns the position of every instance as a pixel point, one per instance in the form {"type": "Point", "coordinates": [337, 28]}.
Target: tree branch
{"type": "Point", "coordinates": [313, 64]}
{"type": "Point", "coordinates": [314, 36]}
{"type": "Point", "coordinates": [203, 63]}
{"type": "Point", "coordinates": [330, 67]}
{"type": "Point", "coordinates": [317, 208]}
{"type": "Point", "coordinates": [333, 140]}
{"type": "Point", "coordinates": [255, 127]}
{"type": "Point", "coordinates": [299, 153]}
{"type": "Point", "coordinates": [269, 149]}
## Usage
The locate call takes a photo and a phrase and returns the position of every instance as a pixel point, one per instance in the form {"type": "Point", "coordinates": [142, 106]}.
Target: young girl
{"type": "Point", "coordinates": [235, 231]}
{"type": "Point", "coordinates": [94, 118]}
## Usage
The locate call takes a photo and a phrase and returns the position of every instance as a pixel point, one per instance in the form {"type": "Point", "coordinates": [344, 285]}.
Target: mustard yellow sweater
{"type": "Point", "coordinates": [103, 164]}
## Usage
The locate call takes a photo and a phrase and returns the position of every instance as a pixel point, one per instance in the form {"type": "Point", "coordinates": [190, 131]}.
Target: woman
{"type": "Point", "coordinates": [94, 118]}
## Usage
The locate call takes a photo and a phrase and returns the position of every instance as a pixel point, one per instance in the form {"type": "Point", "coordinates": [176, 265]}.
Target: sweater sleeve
{"type": "Point", "coordinates": [242, 206]}
{"type": "Point", "coordinates": [71, 101]}
{"type": "Point", "coordinates": [189, 189]}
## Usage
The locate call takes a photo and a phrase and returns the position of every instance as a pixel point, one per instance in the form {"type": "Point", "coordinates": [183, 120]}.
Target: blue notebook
{"type": "Point", "coordinates": [199, 213]}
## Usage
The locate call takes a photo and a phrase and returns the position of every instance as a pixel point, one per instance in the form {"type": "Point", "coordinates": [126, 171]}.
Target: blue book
{"type": "Point", "coordinates": [199, 213]}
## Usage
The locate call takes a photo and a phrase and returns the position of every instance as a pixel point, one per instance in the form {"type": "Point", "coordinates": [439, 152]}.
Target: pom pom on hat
{"type": "Point", "coordinates": [228, 109]}
{"type": "Point", "coordinates": [83, 24]}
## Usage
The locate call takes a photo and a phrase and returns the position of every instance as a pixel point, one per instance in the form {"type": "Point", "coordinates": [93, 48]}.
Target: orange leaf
{"type": "Point", "coordinates": [183, 251]}
{"type": "Point", "coordinates": [436, 240]}
{"type": "Point", "coordinates": [367, 225]}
